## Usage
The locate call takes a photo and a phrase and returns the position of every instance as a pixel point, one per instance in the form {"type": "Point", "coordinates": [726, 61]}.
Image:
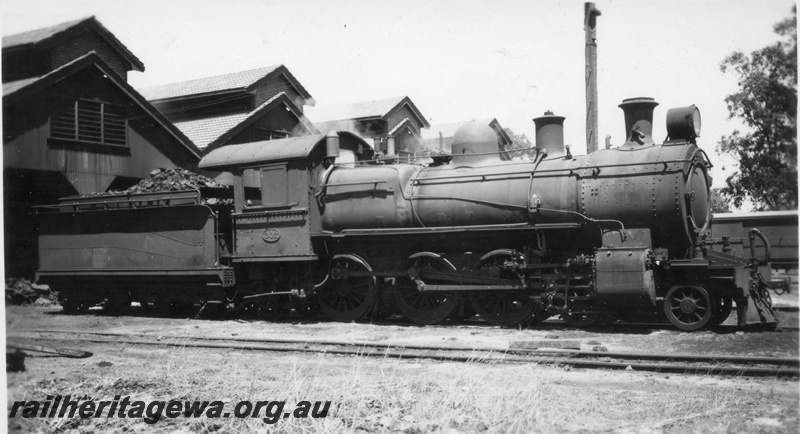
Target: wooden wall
{"type": "Point", "coordinates": [276, 85]}
{"type": "Point", "coordinates": [84, 43]}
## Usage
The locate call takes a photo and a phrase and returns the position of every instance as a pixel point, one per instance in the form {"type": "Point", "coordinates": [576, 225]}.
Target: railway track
{"type": "Point", "coordinates": [730, 365]}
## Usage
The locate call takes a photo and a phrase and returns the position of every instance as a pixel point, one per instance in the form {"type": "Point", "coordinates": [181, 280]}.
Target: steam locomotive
{"type": "Point", "coordinates": [323, 222]}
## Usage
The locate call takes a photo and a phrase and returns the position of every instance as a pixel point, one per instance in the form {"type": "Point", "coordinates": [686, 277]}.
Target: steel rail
{"type": "Point", "coordinates": [780, 367]}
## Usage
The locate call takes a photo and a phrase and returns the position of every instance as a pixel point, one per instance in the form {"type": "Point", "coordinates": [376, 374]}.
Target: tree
{"type": "Point", "coordinates": [767, 104]}
{"type": "Point", "coordinates": [718, 202]}
{"type": "Point", "coordinates": [520, 145]}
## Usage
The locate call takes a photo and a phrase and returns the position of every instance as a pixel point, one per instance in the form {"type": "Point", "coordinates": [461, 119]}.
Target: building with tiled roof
{"type": "Point", "coordinates": [37, 52]}
{"type": "Point", "coordinates": [440, 136]}
{"type": "Point", "coordinates": [394, 123]}
{"type": "Point", "coordinates": [258, 104]}
{"type": "Point", "coordinates": [73, 125]}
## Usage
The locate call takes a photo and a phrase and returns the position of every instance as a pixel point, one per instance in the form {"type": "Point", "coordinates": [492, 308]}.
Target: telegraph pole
{"type": "Point", "coordinates": [589, 26]}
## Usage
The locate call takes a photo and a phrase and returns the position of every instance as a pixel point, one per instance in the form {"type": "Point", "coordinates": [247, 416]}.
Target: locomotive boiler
{"type": "Point", "coordinates": [322, 221]}
{"type": "Point", "coordinates": [664, 188]}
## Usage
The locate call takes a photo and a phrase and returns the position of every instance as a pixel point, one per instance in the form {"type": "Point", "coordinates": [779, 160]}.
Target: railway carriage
{"type": "Point", "coordinates": [321, 221]}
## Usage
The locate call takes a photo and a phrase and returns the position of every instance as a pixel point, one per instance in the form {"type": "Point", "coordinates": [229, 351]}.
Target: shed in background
{"type": "Point", "coordinates": [240, 107]}
{"type": "Point", "coordinates": [73, 125]}
{"type": "Point", "coordinates": [393, 124]}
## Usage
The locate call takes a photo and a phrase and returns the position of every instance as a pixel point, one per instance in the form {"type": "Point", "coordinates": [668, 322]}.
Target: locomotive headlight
{"type": "Point", "coordinates": [683, 123]}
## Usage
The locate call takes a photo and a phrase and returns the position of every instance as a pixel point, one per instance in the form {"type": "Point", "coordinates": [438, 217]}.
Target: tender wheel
{"type": "Point", "coordinates": [578, 318]}
{"type": "Point", "coordinates": [723, 311]}
{"type": "Point", "coordinates": [426, 307]}
{"type": "Point", "coordinates": [502, 308]}
{"type": "Point", "coordinates": [688, 307]}
{"type": "Point", "coordinates": [351, 298]}
{"type": "Point", "coordinates": [117, 304]}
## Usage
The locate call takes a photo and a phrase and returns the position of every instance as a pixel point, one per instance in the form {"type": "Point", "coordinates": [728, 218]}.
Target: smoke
{"type": "Point", "coordinates": [348, 125]}
{"type": "Point", "coordinates": [300, 130]}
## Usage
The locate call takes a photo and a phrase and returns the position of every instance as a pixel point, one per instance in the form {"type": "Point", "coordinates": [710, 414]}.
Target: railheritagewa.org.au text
{"type": "Point", "coordinates": [269, 412]}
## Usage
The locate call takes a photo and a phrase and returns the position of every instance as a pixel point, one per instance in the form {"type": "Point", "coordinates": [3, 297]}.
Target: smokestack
{"type": "Point", "coordinates": [332, 144]}
{"type": "Point", "coordinates": [589, 26]}
{"type": "Point", "coordinates": [550, 134]}
{"type": "Point", "coordinates": [638, 121]}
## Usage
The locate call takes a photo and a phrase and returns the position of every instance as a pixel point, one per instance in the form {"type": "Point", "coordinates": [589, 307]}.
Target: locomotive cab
{"type": "Point", "coordinates": [276, 210]}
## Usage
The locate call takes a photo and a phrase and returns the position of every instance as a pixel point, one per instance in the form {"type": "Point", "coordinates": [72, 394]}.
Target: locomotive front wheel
{"type": "Point", "coordinates": [421, 307]}
{"type": "Point", "coordinates": [350, 298]}
{"type": "Point", "coordinates": [502, 308]}
{"type": "Point", "coordinates": [688, 307]}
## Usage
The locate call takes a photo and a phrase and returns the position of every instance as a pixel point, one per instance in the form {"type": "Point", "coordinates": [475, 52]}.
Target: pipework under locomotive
{"type": "Point", "coordinates": [614, 234]}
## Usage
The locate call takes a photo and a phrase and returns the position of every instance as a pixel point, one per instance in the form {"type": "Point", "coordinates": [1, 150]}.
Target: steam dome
{"type": "Point", "coordinates": [475, 142]}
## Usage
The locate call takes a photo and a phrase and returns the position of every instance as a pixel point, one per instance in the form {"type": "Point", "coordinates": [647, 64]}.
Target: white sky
{"type": "Point", "coordinates": [457, 60]}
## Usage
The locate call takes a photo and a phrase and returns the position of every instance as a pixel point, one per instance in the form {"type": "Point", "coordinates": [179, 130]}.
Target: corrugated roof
{"type": "Point", "coordinates": [269, 150]}
{"type": "Point", "coordinates": [218, 83]}
{"type": "Point", "coordinates": [356, 110]}
{"type": "Point", "coordinates": [45, 35]}
{"type": "Point", "coordinates": [448, 129]}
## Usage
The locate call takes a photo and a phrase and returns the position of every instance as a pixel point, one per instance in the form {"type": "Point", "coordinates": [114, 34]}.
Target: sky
{"type": "Point", "coordinates": [457, 60]}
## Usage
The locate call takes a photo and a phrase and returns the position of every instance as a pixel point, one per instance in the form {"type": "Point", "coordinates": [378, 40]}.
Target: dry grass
{"type": "Point", "coordinates": [386, 395]}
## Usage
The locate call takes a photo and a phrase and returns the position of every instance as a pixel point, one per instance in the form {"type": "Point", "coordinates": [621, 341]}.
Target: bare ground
{"type": "Point", "coordinates": [389, 395]}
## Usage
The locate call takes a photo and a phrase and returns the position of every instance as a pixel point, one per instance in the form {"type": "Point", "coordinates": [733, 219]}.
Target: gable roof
{"type": "Point", "coordinates": [19, 90]}
{"type": "Point", "coordinates": [243, 81]}
{"type": "Point", "coordinates": [211, 131]}
{"type": "Point", "coordinates": [363, 110]}
{"type": "Point", "coordinates": [399, 125]}
{"type": "Point", "coordinates": [53, 35]}
{"type": "Point", "coordinates": [13, 86]}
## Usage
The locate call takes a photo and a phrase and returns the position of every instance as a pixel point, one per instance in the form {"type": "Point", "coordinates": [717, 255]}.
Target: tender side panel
{"type": "Point", "coordinates": [780, 229]}
{"type": "Point", "coordinates": [135, 240]}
